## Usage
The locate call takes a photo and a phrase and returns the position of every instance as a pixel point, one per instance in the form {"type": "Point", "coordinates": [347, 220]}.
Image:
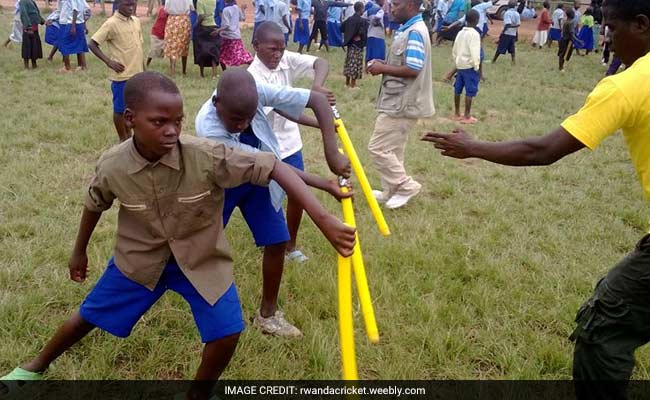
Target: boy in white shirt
{"type": "Point", "coordinates": [274, 65]}
{"type": "Point", "coordinates": [467, 57]}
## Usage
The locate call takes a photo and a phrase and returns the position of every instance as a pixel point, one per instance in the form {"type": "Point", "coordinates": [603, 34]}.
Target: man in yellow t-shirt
{"type": "Point", "coordinates": [615, 321]}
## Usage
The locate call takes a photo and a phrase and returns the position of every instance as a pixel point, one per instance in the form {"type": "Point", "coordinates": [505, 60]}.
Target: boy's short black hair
{"type": "Point", "coordinates": [546, 4]}
{"type": "Point", "coordinates": [142, 84]}
{"type": "Point", "coordinates": [472, 17]}
{"type": "Point", "coordinates": [358, 6]}
{"type": "Point", "coordinates": [560, 5]}
{"type": "Point", "coordinates": [627, 9]}
{"type": "Point", "coordinates": [267, 28]}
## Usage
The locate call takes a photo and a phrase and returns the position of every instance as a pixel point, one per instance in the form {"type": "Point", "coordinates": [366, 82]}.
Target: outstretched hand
{"type": "Point", "coordinates": [457, 144]}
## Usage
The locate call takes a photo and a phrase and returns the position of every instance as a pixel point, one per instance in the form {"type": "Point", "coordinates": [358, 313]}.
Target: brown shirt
{"type": "Point", "coordinates": [123, 39]}
{"type": "Point", "coordinates": [175, 206]}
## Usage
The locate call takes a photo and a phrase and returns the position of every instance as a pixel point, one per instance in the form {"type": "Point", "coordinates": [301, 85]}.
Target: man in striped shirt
{"type": "Point", "coordinates": [405, 95]}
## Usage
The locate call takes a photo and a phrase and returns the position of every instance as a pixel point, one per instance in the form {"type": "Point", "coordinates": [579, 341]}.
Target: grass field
{"type": "Point", "coordinates": [480, 278]}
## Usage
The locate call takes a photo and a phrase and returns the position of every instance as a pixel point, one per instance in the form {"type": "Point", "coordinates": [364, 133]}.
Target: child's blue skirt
{"type": "Point", "coordinates": [587, 36]}
{"type": "Point", "coordinates": [334, 35]}
{"type": "Point", "coordinates": [555, 34]}
{"type": "Point", "coordinates": [52, 34]}
{"type": "Point", "coordinates": [301, 31]}
{"type": "Point", "coordinates": [69, 44]}
{"type": "Point", "coordinates": [375, 49]}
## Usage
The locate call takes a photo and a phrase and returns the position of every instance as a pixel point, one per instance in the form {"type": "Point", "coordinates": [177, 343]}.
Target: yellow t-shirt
{"type": "Point", "coordinates": [620, 101]}
{"type": "Point", "coordinates": [122, 37]}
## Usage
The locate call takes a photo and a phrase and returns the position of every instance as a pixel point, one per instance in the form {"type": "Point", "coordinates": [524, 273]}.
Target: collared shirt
{"type": "Point", "coordinates": [467, 49]}
{"type": "Point", "coordinates": [174, 206]}
{"type": "Point", "coordinates": [482, 9]}
{"type": "Point", "coordinates": [557, 17]}
{"type": "Point", "coordinates": [414, 53]}
{"type": "Point", "coordinates": [279, 11]}
{"type": "Point", "coordinates": [292, 66]}
{"type": "Point", "coordinates": [178, 7]}
{"type": "Point", "coordinates": [230, 19]}
{"type": "Point", "coordinates": [67, 8]}
{"type": "Point", "coordinates": [291, 101]}
{"type": "Point", "coordinates": [259, 15]}
{"type": "Point", "coordinates": [511, 17]}
{"type": "Point", "coordinates": [304, 9]}
{"type": "Point", "coordinates": [206, 8]}
{"type": "Point", "coordinates": [123, 39]}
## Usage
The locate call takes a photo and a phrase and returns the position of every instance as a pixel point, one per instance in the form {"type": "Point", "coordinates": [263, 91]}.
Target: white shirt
{"type": "Point", "coordinates": [558, 15]}
{"type": "Point", "coordinates": [178, 7]}
{"type": "Point", "coordinates": [279, 11]}
{"type": "Point", "coordinates": [482, 8]}
{"type": "Point", "coordinates": [376, 31]}
{"type": "Point", "coordinates": [292, 66]}
{"type": "Point", "coordinates": [67, 7]}
{"type": "Point", "coordinates": [467, 49]}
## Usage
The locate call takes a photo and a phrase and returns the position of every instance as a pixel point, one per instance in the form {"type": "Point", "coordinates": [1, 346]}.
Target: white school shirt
{"type": "Point", "coordinates": [482, 9]}
{"type": "Point", "coordinates": [279, 11]}
{"type": "Point", "coordinates": [66, 9]}
{"type": "Point", "coordinates": [292, 66]}
{"type": "Point", "coordinates": [558, 15]}
{"type": "Point", "coordinates": [467, 49]}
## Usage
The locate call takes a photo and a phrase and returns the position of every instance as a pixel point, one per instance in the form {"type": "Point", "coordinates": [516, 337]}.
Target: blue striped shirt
{"type": "Point", "coordinates": [414, 53]}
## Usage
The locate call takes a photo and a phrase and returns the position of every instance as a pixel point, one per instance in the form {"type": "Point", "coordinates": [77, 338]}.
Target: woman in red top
{"type": "Point", "coordinates": [541, 35]}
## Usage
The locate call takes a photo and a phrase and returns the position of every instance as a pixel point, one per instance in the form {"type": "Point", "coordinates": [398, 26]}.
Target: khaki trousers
{"type": "Point", "coordinates": [387, 145]}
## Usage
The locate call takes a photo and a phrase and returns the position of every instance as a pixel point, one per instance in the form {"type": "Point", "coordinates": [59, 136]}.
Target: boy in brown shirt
{"type": "Point", "coordinates": [170, 234]}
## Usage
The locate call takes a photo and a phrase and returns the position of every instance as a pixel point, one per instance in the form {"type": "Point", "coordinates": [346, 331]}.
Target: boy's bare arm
{"type": "Point", "coordinates": [112, 64]}
{"type": "Point", "coordinates": [78, 264]}
{"type": "Point", "coordinates": [341, 236]}
{"type": "Point", "coordinates": [330, 186]}
{"type": "Point", "coordinates": [338, 163]}
{"type": "Point", "coordinates": [303, 120]}
{"type": "Point", "coordinates": [321, 70]}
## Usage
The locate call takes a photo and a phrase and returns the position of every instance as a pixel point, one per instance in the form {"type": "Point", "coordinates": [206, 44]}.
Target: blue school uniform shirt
{"type": "Point", "coordinates": [259, 15]}
{"type": "Point", "coordinates": [334, 14]}
{"type": "Point", "coordinates": [455, 9]}
{"type": "Point", "coordinates": [291, 101]}
{"type": "Point", "coordinates": [511, 17]}
{"type": "Point", "coordinates": [304, 9]}
{"type": "Point", "coordinates": [414, 54]}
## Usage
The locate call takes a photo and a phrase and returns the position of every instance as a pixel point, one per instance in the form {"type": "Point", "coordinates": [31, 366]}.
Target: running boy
{"type": "Point", "coordinates": [511, 21]}
{"type": "Point", "coordinates": [229, 120]}
{"type": "Point", "coordinates": [568, 38]}
{"type": "Point", "coordinates": [467, 57]}
{"type": "Point", "coordinates": [169, 234]}
{"type": "Point", "coordinates": [122, 36]}
{"type": "Point", "coordinates": [274, 65]}
{"type": "Point", "coordinates": [615, 321]}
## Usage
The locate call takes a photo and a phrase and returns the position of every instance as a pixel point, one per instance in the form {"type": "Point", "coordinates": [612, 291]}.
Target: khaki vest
{"type": "Point", "coordinates": [407, 97]}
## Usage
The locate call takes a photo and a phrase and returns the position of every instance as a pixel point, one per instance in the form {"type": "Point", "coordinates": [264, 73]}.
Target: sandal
{"type": "Point", "coordinates": [296, 256]}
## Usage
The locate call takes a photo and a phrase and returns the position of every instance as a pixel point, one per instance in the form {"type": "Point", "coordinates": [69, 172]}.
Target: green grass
{"type": "Point", "coordinates": [480, 278]}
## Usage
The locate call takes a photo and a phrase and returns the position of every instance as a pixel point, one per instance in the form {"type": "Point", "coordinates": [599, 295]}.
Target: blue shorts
{"type": "Point", "coordinates": [116, 303]}
{"type": "Point", "coordinates": [468, 79]}
{"type": "Point", "coordinates": [267, 225]}
{"type": "Point", "coordinates": [117, 87]}
{"type": "Point", "coordinates": [506, 44]}
{"type": "Point", "coordinates": [485, 30]}
{"type": "Point", "coordinates": [69, 44]}
{"type": "Point", "coordinates": [295, 160]}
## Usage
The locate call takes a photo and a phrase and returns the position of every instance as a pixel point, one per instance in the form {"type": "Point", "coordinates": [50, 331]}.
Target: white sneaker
{"type": "Point", "coordinates": [380, 196]}
{"type": "Point", "coordinates": [276, 325]}
{"type": "Point", "coordinates": [296, 256]}
{"type": "Point", "coordinates": [399, 200]}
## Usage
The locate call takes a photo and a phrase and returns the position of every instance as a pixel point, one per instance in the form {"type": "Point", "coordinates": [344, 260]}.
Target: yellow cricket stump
{"type": "Point", "coordinates": [359, 271]}
{"type": "Point", "coordinates": [346, 326]}
{"type": "Point", "coordinates": [360, 173]}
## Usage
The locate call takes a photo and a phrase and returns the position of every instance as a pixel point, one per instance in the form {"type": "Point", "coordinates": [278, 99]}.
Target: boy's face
{"type": "Point", "coordinates": [629, 39]}
{"type": "Point", "coordinates": [233, 119]}
{"type": "Point", "coordinates": [270, 50]}
{"type": "Point", "coordinates": [156, 123]}
{"type": "Point", "coordinates": [126, 7]}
